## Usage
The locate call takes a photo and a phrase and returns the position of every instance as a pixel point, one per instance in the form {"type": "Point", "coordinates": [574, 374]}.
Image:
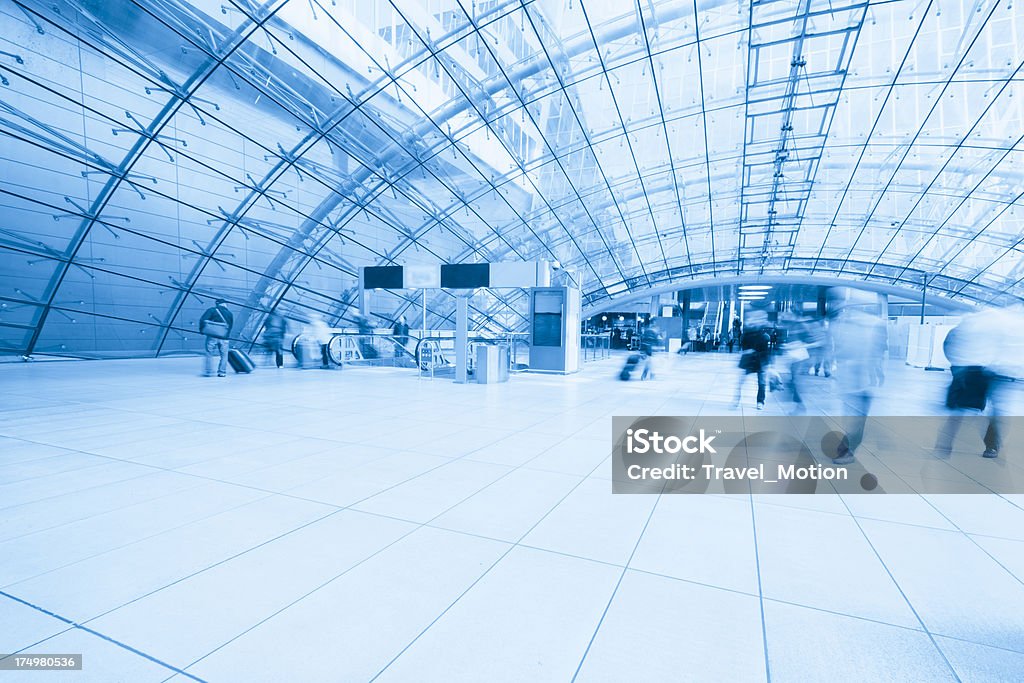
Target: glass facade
{"type": "Point", "coordinates": [159, 154]}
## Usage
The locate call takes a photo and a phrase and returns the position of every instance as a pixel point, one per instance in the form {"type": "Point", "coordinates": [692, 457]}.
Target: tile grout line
{"type": "Point", "coordinates": [270, 494]}
{"type": "Point", "coordinates": [906, 599]}
{"type": "Point", "coordinates": [615, 589]}
{"type": "Point", "coordinates": [622, 574]}
{"type": "Point", "coordinates": [418, 526]}
{"type": "Point", "coordinates": [82, 627]}
{"type": "Point", "coordinates": [512, 547]}
{"type": "Point", "coordinates": [682, 579]}
{"type": "Point", "coordinates": [625, 568]}
{"type": "Point", "coordinates": [757, 568]}
{"type": "Point", "coordinates": [338, 510]}
{"type": "Point", "coordinates": [136, 541]}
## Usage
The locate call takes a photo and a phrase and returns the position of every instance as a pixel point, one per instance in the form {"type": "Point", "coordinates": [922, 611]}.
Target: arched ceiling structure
{"type": "Point", "coordinates": [159, 153]}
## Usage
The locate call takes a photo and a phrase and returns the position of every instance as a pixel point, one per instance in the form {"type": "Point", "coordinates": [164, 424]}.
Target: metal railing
{"type": "Point", "coordinates": [595, 346]}
{"type": "Point", "coordinates": [436, 353]}
{"type": "Point", "coordinates": [353, 348]}
{"type": "Point", "coordinates": [432, 354]}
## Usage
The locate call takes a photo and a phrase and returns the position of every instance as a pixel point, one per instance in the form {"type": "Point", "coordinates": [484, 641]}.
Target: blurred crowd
{"type": "Point", "coordinates": [985, 353]}
{"type": "Point", "coordinates": [309, 340]}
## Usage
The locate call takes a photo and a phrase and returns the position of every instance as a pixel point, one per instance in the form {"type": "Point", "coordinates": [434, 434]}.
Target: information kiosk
{"type": "Point", "coordinates": [555, 329]}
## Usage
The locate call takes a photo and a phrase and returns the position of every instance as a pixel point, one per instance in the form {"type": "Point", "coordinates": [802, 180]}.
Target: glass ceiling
{"type": "Point", "coordinates": [159, 153]}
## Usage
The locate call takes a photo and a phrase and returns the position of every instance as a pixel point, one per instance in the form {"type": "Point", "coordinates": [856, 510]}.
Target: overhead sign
{"type": "Point", "coordinates": [466, 275]}
{"type": "Point", "coordinates": [516, 274]}
{"type": "Point", "coordinates": [458, 275]}
{"type": "Point", "coordinates": [382, 277]}
{"type": "Point", "coordinates": [422, 277]}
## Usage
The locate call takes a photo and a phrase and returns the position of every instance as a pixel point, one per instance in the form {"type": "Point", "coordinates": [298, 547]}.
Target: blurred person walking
{"type": "Point", "coordinates": [754, 355]}
{"type": "Point", "coordinates": [819, 346]}
{"type": "Point", "coordinates": [321, 336]}
{"type": "Point", "coordinates": [273, 337]}
{"type": "Point", "coordinates": [881, 342]}
{"type": "Point", "coordinates": [795, 358]}
{"type": "Point", "coordinates": [691, 341]}
{"type": "Point", "coordinates": [401, 334]}
{"type": "Point", "coordinates": [1007, 369]}
{"type": "Point", "coordinates": [648, 341]}
{"type": "Point", "coordinates": [859, 337]}
{"type": "Point", "coordinates": [365, 339]}
{"type": "Point", "coordinates": [215, 324]}
{"type": "Point", "coordinates": [986, 354]}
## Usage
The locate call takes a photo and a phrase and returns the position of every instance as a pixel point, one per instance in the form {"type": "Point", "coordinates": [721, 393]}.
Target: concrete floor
{"type": "Point", "coordinates": [360, 524]}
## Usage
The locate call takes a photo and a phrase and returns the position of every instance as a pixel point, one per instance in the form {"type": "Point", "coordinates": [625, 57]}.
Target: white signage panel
{"type": "Point", "coordinates": [421, 277]}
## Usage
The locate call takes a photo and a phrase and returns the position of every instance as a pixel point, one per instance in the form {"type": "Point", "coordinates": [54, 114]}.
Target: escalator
{"type": "Point", "coordinates": [346, 348]}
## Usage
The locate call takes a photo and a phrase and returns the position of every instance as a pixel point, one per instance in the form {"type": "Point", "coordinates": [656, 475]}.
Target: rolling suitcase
{"type": "Point", "coordinates": [240, 361]}
{"type": "Point", "coordinates": [630, 366]}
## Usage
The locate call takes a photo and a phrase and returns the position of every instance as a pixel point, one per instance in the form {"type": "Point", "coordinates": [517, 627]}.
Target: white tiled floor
{"type": "Point", "coordinates": [349, 525]}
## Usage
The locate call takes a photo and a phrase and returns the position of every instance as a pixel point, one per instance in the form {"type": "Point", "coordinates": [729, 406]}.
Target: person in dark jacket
{"type": "Point", "coordinates": [215, 324]}
{"type": "Point", "coordinates": [273, 337]}
{"type": "Point", "coordinates": [969, 350]}
{"type": "Point", "coordinates": [649, 340]}
{"type": "Point", "coordinates": [754, 355]}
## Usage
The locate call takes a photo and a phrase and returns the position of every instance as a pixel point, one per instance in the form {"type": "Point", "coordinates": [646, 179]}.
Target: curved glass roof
{"type": "Point", "coordinates": [160, 153]}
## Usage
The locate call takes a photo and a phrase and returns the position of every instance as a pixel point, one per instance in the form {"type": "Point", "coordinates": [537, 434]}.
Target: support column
{"type": "Point", "coordinates": [822, 302]}
{"type": "Point", "coordinates": [883, 310]}
{"type": "Point", "coordinates": [924, 294]}
{"type": "Point", "coordinates": [461, 338]}
{"type": "Point", "coordinates": [362, 293]}
{"type": "Point", "coordinates": [684, 305]}
{"type": "Point", "coordinates": [725, 323]}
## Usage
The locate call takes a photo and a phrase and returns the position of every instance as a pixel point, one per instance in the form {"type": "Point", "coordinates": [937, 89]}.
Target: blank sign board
{"type": "Point", "coordinates": [547, 302]}
{"type": "Point", "coordinates": [514, 274]}
{"type": "Point", "coordinates": [382, 277]}
{"type": "Point", "coordinates": [422, 277]}
{"type": "Point", "coordinates": [457, 275]}
{"type": "Point", "coordinates": [547, 329]}
{"type": "Point", "coordinates": [465, 275]}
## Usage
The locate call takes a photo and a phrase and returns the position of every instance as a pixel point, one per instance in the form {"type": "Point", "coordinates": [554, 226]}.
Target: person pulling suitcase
{"type": "Point", "coordinates": [215, 324]}
{"type": "Point", "coordinates": [632, 361]}
{"type": "Point", "coordinates": [649, 341]}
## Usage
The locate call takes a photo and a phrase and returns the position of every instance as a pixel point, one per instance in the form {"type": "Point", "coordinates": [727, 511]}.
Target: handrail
{"type": "Point", "coordinates": [440, 344]}
{"type": "Point", "coordinates": [595, 346]}
{"type": "Point", "coordinates": [345, 348]}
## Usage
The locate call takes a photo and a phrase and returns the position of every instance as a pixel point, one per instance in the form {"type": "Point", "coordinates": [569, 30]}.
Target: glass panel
{"type": "Point", "coordinates": [619, 138]}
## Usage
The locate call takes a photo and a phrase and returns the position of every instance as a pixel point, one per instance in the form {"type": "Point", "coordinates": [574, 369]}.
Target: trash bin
{"type": "Point", "coordinates": [503, 362]}
{"type": "Point", "coordinates": [491, 364]}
